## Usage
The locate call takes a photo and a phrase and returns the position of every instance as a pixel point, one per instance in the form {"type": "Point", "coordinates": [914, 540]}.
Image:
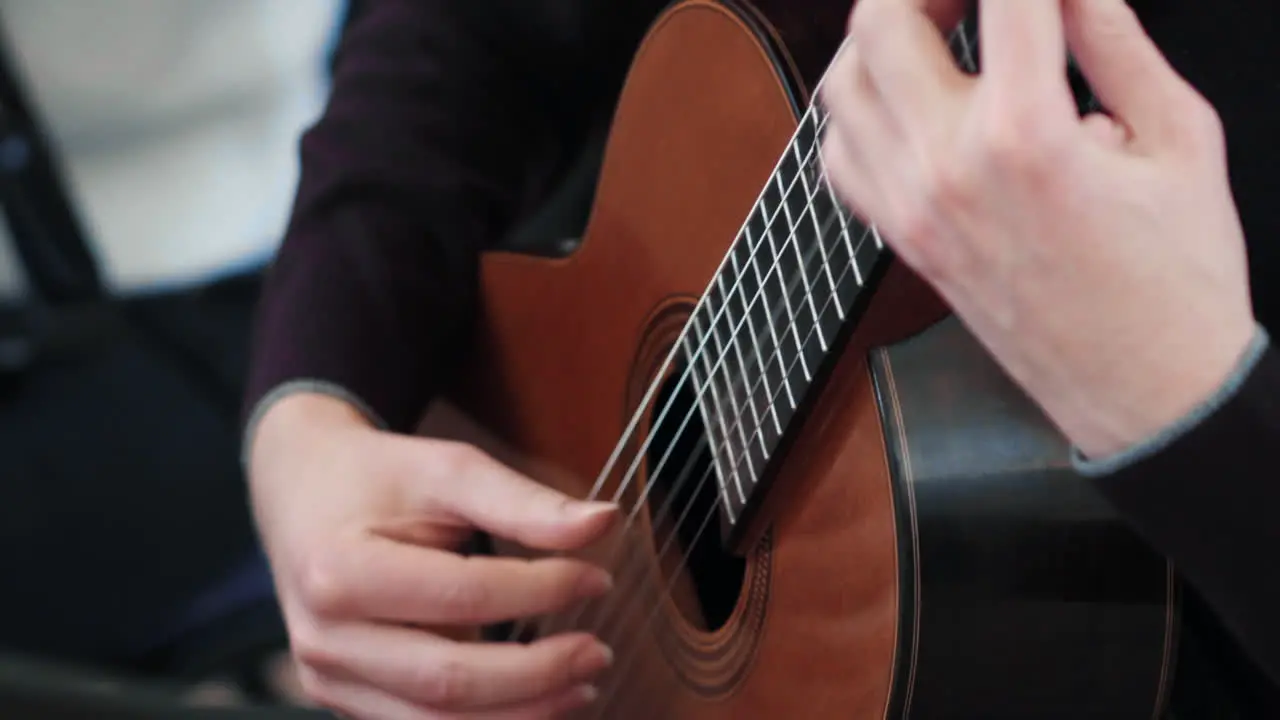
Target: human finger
{"type": "Point", "coordinates": [857, 135]}
{"type": "Point", "coordinates": [362, 702]}
{"type": "Point", "coordinates": [494, 498]}
{"type": "Point", "coordinates": [867, 159]}
{"type": "Point", "coordinates": [380, 578]}
{"type": "Point", "coordinates": [1125, 67]}
{"type": "Point", "coordinates": [439, 673]}
{"type": "Point", "coordinates": [1023, 48]}
{"type": "Point", "coordinates": [906, 56]}
{"type": "Point", "coordinates": [1104, 130]}
{"type": "Point", "coordinates": [946, 14]}
{"type": "Point", "coordinates": [853, 189]}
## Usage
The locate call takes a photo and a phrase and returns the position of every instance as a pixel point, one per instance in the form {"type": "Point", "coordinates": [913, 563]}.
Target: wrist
{"type": "Point", "coordinates": [291, 421]}
{"type": "Point", "coordinates": [1154, 399]}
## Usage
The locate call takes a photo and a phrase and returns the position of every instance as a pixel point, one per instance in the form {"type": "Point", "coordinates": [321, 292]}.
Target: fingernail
{"type": "Point", "coordinates": [589, 510]}
{"type": "Point", "coordinates": [595, 582]}
{"type": "Point", "coordinates": [595, 658]}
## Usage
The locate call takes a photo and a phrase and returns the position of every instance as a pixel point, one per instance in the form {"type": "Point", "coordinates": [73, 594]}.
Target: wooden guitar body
{"type": "Point", "coordinates": [924, 549]}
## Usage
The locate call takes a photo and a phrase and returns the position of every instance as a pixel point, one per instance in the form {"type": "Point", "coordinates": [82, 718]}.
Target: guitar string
{"type": "Point", "coordinates": [610, 693]}
{"type": "Point", "coordinates": [773, 395]}
{"type": "Point", "coordinates": [766, 235]}
{"type": "Point", "coordinates": [737, 422]}
{"type": "Point", "coordinates": [792, 240]}
{"type": "Point", "coordinates": [968, 63]}
{"type": "Point", "coordinates": [520, 626]}
{"type": "Point", "coordinates": [665, 592]}
{"type": "Point", "coordinates": [966, 60]}
{"type": "Point", "coordinates": [638, 415]}
{"type": "Point", "coordinates": [836, 213]}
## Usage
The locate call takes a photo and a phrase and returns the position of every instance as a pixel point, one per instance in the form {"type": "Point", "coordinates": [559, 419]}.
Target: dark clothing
{"type": "Point", "coordinates": [125, 536]}
{"type": "Point", "coordinates": [449, 119]}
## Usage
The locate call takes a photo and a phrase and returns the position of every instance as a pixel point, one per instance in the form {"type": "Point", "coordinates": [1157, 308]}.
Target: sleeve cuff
{"type": "Point", "coordinates": [293, 387]}
{"type": "Point", "coordinates": [1100, 467]}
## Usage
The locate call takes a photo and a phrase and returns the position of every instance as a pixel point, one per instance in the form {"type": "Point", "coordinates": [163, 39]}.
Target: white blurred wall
{"type": "Point", "coordinates": [177, 121]}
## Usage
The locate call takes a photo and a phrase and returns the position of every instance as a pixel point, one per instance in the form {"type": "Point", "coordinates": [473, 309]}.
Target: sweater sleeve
{"type": "Point", "coordinates": [1205, 493]}
{"type": "Point", "coordinates": [444, 123]}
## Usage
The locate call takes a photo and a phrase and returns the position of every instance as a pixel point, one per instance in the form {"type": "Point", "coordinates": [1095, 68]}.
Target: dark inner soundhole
{"type": "Point", "coordinates": [686, 479]}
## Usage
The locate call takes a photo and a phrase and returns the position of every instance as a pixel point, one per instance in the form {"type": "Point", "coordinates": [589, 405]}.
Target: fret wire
{"type": "Point", "coordinates": [817, 229]}
{"type": "Point", "coordinates": [795, 332]}
{"type": "Point", "coordinates": [786, 367]}
{"type": "Point", "coordinates": [793, 240]}
{"type": "Point", "coordinates": [721, 370]}
{"type": "Point", "coordinates": [700, 391]}
{"type": "Point", "coordinates": [755, 345]}
{"type": "Point", "coordinates": [754, 245]}
{"type": "Point", "coordinates": [742, 370]}
{"type": "Point", "coordinates": [839, 209]}
{"type": "Point", "coordinates": [842, 244]}
{"type": "Point", "coordinates": [773, 331]}
{"type": "Point", "coordinates": [821, 230]}
{"type": "Point", "coordinates": [760, 302]}
{"type": "Point", "coordinates": [718, 408]}
{"type": "Point", "coordinates": [753, 248]}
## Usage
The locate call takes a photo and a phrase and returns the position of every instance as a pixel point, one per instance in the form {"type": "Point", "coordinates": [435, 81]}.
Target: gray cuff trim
{"type": "Point", "coordinates": [293, 387]}
{"type": "Point", "coordinates": [1158, 442]}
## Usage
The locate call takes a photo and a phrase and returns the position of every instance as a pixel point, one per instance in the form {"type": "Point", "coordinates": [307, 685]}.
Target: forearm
{"type": "Point", "coordinates": [417, 164]}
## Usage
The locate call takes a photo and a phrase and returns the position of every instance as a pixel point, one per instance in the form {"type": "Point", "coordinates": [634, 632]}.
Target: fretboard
{"type": "Point", "coordinates": [772, 314]}
{"type": "Point", "coordinates": [778, 309]}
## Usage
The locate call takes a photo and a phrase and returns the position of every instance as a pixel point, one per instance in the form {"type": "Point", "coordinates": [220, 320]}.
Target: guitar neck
{"type": "Point", "coordinates": [775, 314]}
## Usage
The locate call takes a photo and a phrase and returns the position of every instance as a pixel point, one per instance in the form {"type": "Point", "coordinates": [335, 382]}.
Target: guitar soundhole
{"type": "Point", "coordinates": [683, 501]}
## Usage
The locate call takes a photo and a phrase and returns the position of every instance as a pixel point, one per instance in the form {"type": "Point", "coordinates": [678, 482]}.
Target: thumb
{"type": "Point", "coordinates": [492, 497]}
{"type": "Point", "coordinates": [1126, 69]}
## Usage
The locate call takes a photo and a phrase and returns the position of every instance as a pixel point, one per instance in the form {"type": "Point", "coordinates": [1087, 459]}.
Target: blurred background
{"type": "Point", "coordinates": [148, 158]}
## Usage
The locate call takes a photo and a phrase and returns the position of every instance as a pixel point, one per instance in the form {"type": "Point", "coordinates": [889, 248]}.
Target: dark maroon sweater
{"type": "Point", "coordinates": [448, 120]}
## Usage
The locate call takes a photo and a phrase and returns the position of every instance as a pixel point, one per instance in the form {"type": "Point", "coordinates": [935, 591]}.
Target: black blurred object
{"type": "Point", "coordinates": [121, 494]}
{"type": "Point", "coordinates": [34, 690]}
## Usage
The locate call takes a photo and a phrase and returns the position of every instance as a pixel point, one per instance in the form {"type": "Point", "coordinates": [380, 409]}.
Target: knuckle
{"type": "Point", "coordinates": [445, 684]}
{"type": "Point", "coordinates": [1199, 126]}
{"type": "Point", "coordinates": [947, 188]}
{"type": "Point", "coordinates": [312, 649]}
{"type": "Point", "coordinates": [321, 586]}
{"type": "Point", "coordinates": [1018, 141]}
{"type": "Point", "coordinates": [453, 459]}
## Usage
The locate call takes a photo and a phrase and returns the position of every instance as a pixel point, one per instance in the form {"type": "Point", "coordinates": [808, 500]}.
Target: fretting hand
{"type": "Point", "coordinates": [361, 527]}
{"type": "Point", "coordinates": [1100, 260]}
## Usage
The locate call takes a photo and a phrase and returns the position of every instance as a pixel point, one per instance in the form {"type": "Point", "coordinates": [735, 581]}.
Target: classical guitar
{"type": "Point", "coordinates": [835, 505]}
